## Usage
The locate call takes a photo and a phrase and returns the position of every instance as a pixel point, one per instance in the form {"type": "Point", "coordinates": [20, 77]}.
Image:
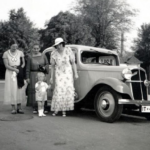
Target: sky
{"type": "Point", "coordinates": [40, 11]}
{"type": "Point", "coordinates": [143, 16]}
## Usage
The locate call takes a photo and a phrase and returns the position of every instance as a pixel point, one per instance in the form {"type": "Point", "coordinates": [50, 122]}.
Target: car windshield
{"type": "Point", "coordinates": [88, 57]}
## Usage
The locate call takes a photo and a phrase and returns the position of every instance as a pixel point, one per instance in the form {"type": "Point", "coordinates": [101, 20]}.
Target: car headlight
{"type": "Point", "coordinates": [146, 83]}
{"type": "Point", "coordinates": [127, 74]}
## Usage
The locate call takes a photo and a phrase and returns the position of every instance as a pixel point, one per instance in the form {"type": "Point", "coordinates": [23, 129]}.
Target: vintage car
{"type": "Point", "coordinates": [105, 85]}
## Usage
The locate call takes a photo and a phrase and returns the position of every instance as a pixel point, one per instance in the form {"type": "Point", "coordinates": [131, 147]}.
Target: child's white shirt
{"type": "Point", "coordinates": [43, 86]}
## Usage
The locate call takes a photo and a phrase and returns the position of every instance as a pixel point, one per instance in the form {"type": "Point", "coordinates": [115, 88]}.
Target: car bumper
{"type": "Point", "coordinates": [129, 101]}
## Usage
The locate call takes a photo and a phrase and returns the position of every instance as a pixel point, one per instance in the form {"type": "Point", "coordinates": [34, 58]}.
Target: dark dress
{"type": "Point", "coordinates": [32, 68]}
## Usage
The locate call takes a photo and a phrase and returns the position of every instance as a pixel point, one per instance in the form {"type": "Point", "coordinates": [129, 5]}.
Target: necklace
{"type": "Point", "coordinates": [13, 59]}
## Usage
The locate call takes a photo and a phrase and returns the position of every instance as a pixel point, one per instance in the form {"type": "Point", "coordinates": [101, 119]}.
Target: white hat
{"type": "Point", "coordinates": [58, 41]}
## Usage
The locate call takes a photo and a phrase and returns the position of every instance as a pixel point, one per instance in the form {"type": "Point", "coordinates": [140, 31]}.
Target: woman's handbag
{"type": "Point", "coordinates": [43, 69]}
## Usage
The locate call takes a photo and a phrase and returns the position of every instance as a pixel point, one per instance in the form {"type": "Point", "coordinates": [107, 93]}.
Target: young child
{"type": "Point", "coordinates": [41, 92]}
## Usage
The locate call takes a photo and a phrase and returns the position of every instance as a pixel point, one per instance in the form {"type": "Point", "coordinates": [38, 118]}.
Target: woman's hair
{"type": "Point", "coordinates": [12, 43]}
{"type": "Point", "coordinates": [63, 44]}
{"type": "Point", "coordinates": [35, 43]}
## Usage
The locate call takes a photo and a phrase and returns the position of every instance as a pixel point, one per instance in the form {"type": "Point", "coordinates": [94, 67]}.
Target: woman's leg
{"type": "Point", "coordinates": [45, 107]}
{"type": "Point", "coordinates": [64, 113]}
{"type": "Point", "coordinates": [55, 113]}
{"type": "Point", "coordinates": [35, 107]}
{"type": "Point", "coordinates": [13, 109]}
{"type": "Point", "coordinates": [19, 109]}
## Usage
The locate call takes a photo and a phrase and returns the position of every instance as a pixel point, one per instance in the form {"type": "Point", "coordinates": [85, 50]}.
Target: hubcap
{"type": "Point", "coordinates": [105, 104]}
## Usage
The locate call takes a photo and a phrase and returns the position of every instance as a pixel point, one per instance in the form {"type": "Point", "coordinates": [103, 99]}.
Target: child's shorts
{"type": "Point", "coordinates": [41, 96]}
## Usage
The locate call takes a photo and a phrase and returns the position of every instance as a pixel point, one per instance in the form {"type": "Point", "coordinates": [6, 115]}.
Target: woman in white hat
{"type": "Point", "coordinates": [63, 62]}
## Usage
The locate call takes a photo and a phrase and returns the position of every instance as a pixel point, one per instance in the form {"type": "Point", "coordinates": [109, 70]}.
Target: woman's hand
{"type": "Point", "coordinates": [22, 66]}
{"type": "Point", "coordinates": [28, 81]}
{"type": "Point", "coordinates": [76, 76]}
{"type": "Point", "coordinates": [51, 80]}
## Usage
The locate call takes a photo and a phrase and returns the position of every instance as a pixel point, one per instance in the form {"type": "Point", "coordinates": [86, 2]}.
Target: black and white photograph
{"type": "Point", "coordinates": [74, 75]}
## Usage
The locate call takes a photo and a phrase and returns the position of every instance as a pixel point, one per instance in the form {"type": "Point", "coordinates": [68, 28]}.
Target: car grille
{"type": "Point", "coordinates": [137, 93]}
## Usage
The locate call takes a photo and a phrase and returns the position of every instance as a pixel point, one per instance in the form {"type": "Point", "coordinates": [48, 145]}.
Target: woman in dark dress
{"type": "Point", "coordinates": [36, 62]}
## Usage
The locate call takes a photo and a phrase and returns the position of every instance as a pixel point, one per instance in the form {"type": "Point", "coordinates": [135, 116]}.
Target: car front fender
{"type": "Point", "coordinates": [115, 84]}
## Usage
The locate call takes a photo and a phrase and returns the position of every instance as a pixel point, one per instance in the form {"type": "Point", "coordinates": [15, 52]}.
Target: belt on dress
{"type": "Point", "coordinates": [34, 70]}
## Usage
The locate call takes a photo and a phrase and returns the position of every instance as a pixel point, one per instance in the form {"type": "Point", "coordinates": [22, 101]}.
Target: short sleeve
{"type": "Point", "coordinates": [71, 55]}
{"type": "Point", "coordinates": [22, 54]}
{"type": "Point", "coordinates": [46, 85]}
{"type": "Point", "coordinates": [36, 85]}
{"type": "Point", "coordinates": [5, 55]}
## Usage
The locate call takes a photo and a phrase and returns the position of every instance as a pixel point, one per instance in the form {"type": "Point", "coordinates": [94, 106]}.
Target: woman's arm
{"type": "Point", "coordinates": [28, 69]}
{"type": "Point", "coordinates": [23, 62]}
{"type": "Point", "coordinates": [5, 60]}
{"type": "Point", "coordinates": [74, 68]}
{"type": "Point", "coordinates": [72, 61]}
{"type": "Point", "coordinates": [46, 65]}
{"type": "Point", "coordinates": [52, 70]}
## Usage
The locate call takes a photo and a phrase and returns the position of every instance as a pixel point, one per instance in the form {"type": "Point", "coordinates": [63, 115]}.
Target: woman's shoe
{"type": "Point", "coordinates": [64, 114]}
{"type": "Point", "coordinates": [19, 111]}
{"type": "Point", "coordinates": [13, 112]}
{"type": "Point", "coordinates": [54, 114]}
{"type": "Point", "coordinates": [35, 112]}
{"type": "Point", "coordinates": [45, 112]}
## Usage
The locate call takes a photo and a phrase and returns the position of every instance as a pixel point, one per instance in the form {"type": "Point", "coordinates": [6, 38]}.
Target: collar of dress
{"type": "Point", "coordinates": [12, 54]}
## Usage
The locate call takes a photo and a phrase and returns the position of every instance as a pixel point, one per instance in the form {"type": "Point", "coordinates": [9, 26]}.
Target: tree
{"type": "Point", "coordinates": [18, 29]}
{"type": "Point", "coordinates": [68, 26]}
{"type": "Point", "coordinates": [106, 19]}
{"type": "Point", "coordinates": [142, 44]}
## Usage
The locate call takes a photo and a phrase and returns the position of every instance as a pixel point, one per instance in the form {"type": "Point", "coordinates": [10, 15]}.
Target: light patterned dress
{"type": "Point", "coordinates": [63, 95]}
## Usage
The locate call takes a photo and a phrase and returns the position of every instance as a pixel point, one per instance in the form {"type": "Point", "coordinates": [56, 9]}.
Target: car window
{"type": "Point", "coordinates": [88, 57]}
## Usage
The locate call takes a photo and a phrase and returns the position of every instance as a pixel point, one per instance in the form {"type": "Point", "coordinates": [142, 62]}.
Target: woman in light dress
{"type": "Point", "coordinates": [13, 95]}
{"type": "Point", "coordinates": [63, 63]}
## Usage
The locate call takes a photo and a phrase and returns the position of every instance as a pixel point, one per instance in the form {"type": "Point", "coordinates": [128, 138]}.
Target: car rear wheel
{"type": "Point", "coordinates": [106, 105]}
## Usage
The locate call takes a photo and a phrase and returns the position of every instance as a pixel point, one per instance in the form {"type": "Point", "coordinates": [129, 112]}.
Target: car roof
{"type": "Point", "coordinates": [91, 48]}
{"type": "Point", "coordinates": [83, 47]}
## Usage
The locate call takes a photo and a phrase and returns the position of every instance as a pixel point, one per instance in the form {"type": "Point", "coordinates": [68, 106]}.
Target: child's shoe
{"type": "Point", "coordinates": [43, 113]}
{"type": "Point", "coordinates": [40, 113]}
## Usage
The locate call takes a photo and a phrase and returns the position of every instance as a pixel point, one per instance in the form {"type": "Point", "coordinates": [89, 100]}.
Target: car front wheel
{"type": "Point", "coordinates": [106, 105]}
